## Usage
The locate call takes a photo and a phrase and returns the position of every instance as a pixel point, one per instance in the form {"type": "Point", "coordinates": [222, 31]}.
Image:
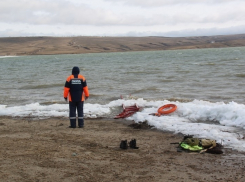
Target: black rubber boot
{"type": "Point", "coordinates": [124, 144]}
{"type": "Point", "coordinates": [132, 144]}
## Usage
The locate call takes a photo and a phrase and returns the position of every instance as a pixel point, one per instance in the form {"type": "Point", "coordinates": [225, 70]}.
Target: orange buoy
{"type": "Point", "coordinates": [166, 109]}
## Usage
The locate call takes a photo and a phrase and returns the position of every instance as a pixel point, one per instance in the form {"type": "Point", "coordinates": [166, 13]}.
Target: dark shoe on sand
{"type": "Point", "coordinates": [124, 144]}
{"type": "Point", "coordinates": [132, 144]}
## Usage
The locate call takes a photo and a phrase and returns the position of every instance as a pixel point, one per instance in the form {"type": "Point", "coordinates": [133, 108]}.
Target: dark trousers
{"type": "Point", "coordinates": [76, 106]}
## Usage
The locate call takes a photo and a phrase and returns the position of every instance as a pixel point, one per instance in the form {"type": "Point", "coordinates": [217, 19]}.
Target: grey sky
{"type": "Point", "coordinates": [121, 17]}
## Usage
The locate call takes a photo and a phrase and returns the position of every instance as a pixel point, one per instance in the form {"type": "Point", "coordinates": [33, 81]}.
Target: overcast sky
{"type": "Point", "coordinates": [121, 17]}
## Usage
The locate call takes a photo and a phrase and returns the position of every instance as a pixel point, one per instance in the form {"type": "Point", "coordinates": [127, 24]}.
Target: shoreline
{"type": "Point", "coordinates": [47, 150]}
{"type": "Point", "coordinates": [18, 46]}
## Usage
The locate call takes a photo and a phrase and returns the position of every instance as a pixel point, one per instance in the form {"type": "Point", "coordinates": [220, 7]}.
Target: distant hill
{"type": "Point", "coordinates": [79, 45]}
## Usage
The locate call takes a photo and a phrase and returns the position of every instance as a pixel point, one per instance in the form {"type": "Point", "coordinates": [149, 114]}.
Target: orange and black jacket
{"type": "Point", "coordinates": [76, 88]}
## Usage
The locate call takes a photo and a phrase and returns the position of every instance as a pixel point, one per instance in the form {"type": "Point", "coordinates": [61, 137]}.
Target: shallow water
{"type": "Point", "coordinates": [205, 74]}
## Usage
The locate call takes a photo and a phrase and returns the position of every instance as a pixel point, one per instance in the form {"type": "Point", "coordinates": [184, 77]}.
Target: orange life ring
{"type": "Point", "coordinates": [162, 110]}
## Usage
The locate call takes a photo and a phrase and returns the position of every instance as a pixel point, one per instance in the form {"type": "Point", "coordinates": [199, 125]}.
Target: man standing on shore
{"type": "Point", "coordinates": [77, 90]}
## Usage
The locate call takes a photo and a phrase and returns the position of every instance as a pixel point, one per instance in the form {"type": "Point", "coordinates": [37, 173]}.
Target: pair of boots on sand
{"type": "Point", "coordinates": [132, 144]}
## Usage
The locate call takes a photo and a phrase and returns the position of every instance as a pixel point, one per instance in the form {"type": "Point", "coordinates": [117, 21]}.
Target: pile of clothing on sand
{"type": "Point", "coordinates": [199, 145]}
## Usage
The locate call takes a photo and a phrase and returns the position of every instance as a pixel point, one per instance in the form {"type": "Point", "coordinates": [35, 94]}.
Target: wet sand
{"type": "Point", "coordinates": [47, 150]}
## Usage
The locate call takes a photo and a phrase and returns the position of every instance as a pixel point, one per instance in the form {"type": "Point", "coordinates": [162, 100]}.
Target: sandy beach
{"type": "Point", "coordinates": [47, 150]}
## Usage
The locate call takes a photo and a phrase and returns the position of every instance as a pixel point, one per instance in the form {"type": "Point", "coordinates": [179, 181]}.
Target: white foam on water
{"type": "Point", "coordinates": [224, 122]}
{"type": "Point", "coordinates": [7, 56]}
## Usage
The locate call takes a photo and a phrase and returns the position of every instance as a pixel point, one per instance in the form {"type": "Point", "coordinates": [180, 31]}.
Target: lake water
{"type": "Point", "coordinates": [207, 85]}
